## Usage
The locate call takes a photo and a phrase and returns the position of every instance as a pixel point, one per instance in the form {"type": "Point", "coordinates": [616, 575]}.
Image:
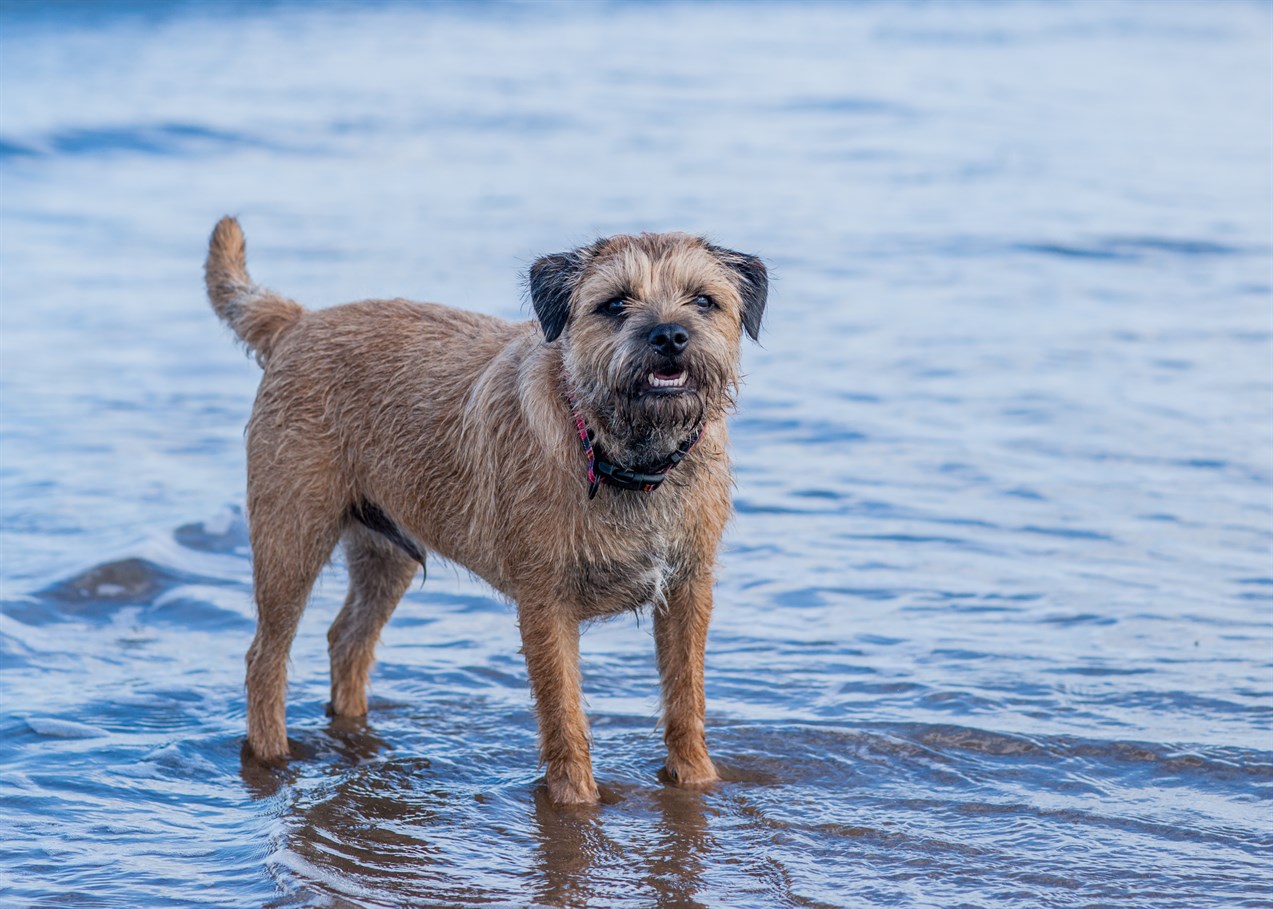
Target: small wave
{"type": "Point", "coordinates": [1109, 249]}
{"type": "Point", "coordinates": [161, 139]}
{"type": "Point", "coordinates": [1130, 249]}
{"type": "Point", "coordinates": [130, 580]}
{"type": "Point", "coordinates": [1162, 758]}
{"type": "Point", "coordinates": [849, 104]}
{"type": "Point", "coordinates": [225, 532]}
{"type": "Point", "coordinates": [1071, 533]}
{"type": "Point", "coordinates": [63, 729]}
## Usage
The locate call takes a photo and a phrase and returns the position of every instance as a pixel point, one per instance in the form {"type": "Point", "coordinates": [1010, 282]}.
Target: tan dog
{"type": "Point", "coordinates": [577, 465]}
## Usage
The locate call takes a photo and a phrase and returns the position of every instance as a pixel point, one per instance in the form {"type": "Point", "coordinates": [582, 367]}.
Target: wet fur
{"type": "Point", "coordinates": [453, 427]}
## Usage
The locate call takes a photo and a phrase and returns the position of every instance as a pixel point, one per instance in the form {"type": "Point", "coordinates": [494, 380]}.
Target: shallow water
{"type": "Point", "coordinates": [993, 620]}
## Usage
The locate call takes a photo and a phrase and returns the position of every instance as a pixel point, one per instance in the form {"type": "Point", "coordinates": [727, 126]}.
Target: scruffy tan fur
{"type": "Point", "coordinates": [457, 428]}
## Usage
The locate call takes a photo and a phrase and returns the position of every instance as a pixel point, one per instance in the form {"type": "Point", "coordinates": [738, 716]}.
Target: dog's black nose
{"type": "Point", "coordinates": [669, 338]}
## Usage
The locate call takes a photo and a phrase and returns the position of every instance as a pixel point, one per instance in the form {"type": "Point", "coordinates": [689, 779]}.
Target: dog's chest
{"type": "Point", "coordinates": [604, 586]}
{"type": "Point", "coordinates": [624, 569]}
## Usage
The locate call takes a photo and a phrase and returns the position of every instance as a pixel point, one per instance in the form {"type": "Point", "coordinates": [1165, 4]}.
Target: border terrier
{"type": "Point", "coordinates": [577, 464]}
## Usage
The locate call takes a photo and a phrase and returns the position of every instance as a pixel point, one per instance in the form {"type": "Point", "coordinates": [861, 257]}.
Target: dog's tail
{"type": "Point", "coordinates": [259, 317]}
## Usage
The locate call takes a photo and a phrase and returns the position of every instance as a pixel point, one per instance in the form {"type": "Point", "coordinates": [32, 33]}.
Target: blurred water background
{"type": "Point", "coordinates": [994, 618]}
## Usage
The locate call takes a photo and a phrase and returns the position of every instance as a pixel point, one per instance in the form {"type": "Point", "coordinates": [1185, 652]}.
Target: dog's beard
{"type": "Point", "coordinates": [640, 425]}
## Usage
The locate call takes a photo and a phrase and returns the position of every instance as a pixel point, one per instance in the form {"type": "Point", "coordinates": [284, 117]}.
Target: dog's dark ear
{"type": "Point", "coordinates": [552, 282]}
{"type": "Point", "coordinates": [753, 285]}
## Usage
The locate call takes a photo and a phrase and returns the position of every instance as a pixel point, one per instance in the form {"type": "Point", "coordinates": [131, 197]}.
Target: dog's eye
{"type": "Point", "coordinates": [614, 307]}
{"type": "Point", "coordinates": [704, 302]}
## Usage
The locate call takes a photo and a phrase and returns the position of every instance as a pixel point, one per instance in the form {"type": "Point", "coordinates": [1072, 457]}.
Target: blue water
{"type": "Point", "coordinates": [994, 619]}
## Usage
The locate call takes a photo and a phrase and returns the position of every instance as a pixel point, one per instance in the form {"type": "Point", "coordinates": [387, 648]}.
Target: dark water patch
{"type": "Point", "coordinates": [818, 433]}
{"type": "Point", "coordinates": [155, 139]}
{"type": "Point", "coordinates": [744, 506]}
{"type": "Point", "coordinates": [1021, 492]}
{"type": "Point", "coordinates": [1260, 597]}
{"type": "Point", "coordinates": [1083, 618]}
{"type": "Point", "coordinates": [1255, 290]}
{"type": "Point", "coordinates": [1180, 247]}
{"type": "Point", "coordinates": [918, 539]}
{"type": "Point", "coordinates": [976, 524]}
{"type": "Point", "coordinates": [64, 14]}
{"type": "Point", "coordinates": [777, 426]}
{"type": "Point", "coordinates": [1075, 252]}
{"type": "Point", "coordinates": [1072, 533]}
{"type": "Point", "coordinates": [849, 106]}
{"type": "Point", "coordinates": [827, 494]}
{"type": "Point", "coordinates": [1032, 416]}
{"type": "Point", "coordinates": [510, 122]}
{"type": "Point", "coordinates": [191, 612]}
{"type": "Point", "coordinates": [962, 655]}
{"type": "Point", "coordinates": [1113, 249]}
{"type": "Point", "coordinates": [877, 508]}
{"type": "Point", "coordinates": [857, 397]}
{"type": "Point", "coordinates": [1256, 589]}
{"type": "Point", "coordinates": [958, 596]}
{"type": "Point", "coordinates": [817, 596]}
{"type": "Point", "coordinates": [1132, 249]}
{"type": "Point", "coordinates": [1203, 463]}
{"type": "Point", "coordinates": [10, 148]}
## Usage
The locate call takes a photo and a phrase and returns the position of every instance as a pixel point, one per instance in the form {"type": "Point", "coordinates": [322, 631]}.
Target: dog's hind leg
{"type": "Point", "coordinates": [379, 574]}
{"type": "Point", "coordinates": [290, 546]}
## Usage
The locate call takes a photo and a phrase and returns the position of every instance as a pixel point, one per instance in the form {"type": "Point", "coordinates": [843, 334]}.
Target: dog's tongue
{"type": "Point", "coordinates": [669, 375]}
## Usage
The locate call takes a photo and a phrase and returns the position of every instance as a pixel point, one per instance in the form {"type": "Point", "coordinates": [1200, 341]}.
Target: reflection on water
{"type": "Point", "coordinates": [363, 837]}
{"type": "Point", "coordinates": [993, 620]}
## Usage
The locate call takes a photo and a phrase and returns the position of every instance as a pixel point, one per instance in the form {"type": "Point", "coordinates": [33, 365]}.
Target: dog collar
{"type": "Point", "coordinates": [601, 470]}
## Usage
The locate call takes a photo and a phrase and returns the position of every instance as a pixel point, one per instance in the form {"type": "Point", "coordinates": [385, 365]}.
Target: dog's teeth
{"type": "Point", "coordinates": [672, 382]}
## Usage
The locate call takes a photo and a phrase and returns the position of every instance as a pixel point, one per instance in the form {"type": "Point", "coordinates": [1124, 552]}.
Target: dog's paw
{"type": "Point", "coordinates": [272, 751]}
{"type": "Point", "coordinates": [573, 789]}
{"type": "Point", "coordinates": [691, 774]}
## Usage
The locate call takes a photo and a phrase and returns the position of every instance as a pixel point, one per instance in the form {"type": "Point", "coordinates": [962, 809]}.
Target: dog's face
{"type": "Point", "coordinates": [650, 327]}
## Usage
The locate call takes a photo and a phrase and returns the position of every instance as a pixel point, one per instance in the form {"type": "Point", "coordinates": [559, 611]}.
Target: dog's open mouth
{"type": "Point", "coordinates": [665, 383]}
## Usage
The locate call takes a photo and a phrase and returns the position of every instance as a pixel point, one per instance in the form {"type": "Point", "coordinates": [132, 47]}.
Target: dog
{"type": "Point", "coordinates": [577, 464]}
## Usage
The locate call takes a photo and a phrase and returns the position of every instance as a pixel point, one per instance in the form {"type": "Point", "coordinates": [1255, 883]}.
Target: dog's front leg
{"type": "Point", "coordinates": [550, 641]}
{"type": "Point", "coordinates": [680, 638]}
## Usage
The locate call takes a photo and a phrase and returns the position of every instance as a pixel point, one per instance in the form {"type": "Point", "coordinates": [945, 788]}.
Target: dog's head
{"type": "Point", "coordinates": [650, 328]}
